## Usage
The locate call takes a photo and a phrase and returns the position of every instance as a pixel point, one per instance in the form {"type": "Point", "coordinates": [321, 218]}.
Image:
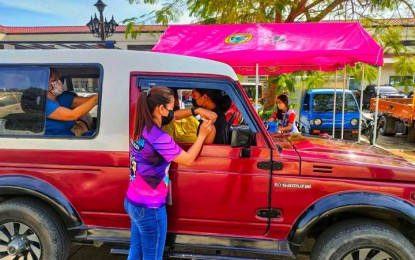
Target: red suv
{"type": "Point", "coordinates": [261, 196]}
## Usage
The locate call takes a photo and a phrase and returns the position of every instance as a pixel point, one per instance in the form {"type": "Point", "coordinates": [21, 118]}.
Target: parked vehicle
{"type": "Point", "coordinates": [396, 115]}
{"type": "Point", "coordinates": [316, 113]}
{"type": "Point", "coordinates": [262, 195]}
{"type": "Point", "coordinates": [368, 127]}
{"type": "Point", "coordinates": [384, 92]}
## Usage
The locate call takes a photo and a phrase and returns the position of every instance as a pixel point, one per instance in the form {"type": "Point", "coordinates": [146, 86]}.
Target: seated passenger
{"type": "Point", "coordinates": [63, 110]}
{"type": "Point", "coordinates": [218, 102]}
{"type": "Point", "coordinates": [182, 130]}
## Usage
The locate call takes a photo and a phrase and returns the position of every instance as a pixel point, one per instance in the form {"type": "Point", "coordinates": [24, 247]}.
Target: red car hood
{"type": "Point", "coordinates": [346, 158]}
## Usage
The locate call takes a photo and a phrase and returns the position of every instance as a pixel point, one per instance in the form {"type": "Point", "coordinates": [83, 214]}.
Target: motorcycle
{"type": "Point", "coordinates": [368, 127]}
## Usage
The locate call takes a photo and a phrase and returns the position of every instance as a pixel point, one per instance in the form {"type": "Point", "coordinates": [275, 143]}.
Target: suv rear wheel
{"type": "Point", "coordinates": [31, 230]}
{"type": "Point", "coordinates": [362, 239]}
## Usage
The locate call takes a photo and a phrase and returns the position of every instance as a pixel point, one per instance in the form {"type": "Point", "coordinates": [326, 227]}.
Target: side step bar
{"type": "Point", "coordinates": [119, 251]}
{"type": "Point", "coordinates": [207, 254]}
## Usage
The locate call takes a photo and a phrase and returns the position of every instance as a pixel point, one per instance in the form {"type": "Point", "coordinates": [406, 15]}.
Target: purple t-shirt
{"type": "Point", "coordinates": [150, 159]}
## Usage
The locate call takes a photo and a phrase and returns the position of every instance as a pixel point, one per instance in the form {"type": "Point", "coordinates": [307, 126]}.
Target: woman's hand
{"type": "Point", "coordinates": [206, 114]}
{"type": "Point", "coordinates": [186, 158]}
{"type": "Point", "coordinates": [205, 128]}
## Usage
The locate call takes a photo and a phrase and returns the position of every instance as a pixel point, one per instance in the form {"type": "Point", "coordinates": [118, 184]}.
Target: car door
{"type": "Point", "coordinates": [222, 191]}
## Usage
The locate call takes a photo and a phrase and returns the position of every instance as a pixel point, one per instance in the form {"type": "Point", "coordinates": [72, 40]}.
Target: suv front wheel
{"type": "Point", "coordinates": [362, 239]}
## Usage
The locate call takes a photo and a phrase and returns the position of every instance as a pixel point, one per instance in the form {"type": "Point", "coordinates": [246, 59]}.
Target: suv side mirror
{"type": "Point", "coordinates": [306, 107]}
{"type": "Point", "coordinates": [241, 138]}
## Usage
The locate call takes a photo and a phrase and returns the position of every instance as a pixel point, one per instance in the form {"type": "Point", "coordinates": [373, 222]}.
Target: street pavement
{"type": "Point", "coordinates": [396, 144]}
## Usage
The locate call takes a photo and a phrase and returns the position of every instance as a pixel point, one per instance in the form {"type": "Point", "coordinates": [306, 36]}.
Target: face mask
{"type": "Point", "coordinates": [194, 103]}
{"type": "Point", "coordinates": [57, 88]}
{"type": "Point", "coordinates": [165, 120]}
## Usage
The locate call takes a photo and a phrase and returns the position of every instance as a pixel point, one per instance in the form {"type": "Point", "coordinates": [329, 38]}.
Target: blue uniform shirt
{"type": "Point", "coordinates": [59, 127]}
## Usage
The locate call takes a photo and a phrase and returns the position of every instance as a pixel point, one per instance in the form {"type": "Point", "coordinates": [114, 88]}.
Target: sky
{"type": "Point", "coordinates": [67, 12]}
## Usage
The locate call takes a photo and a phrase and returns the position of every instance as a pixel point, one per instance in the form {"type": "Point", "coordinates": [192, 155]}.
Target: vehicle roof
{"type": "Point", "coordinates": [120, 60]}
{"type": "Point", "coordinates": [327, 91]}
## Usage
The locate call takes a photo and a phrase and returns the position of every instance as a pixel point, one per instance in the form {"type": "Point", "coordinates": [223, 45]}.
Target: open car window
{"type": "Point", "coordinates": [183, 89]}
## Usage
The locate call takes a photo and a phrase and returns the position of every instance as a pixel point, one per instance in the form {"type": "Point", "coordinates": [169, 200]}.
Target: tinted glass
{"type": "Point", "coordinates": [324, 103]}
{"type": "Point", "coordinates": [22, 100]}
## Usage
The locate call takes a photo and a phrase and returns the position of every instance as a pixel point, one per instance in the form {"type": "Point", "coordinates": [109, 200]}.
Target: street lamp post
{"type": "Point", "coordinates": [100, 27]}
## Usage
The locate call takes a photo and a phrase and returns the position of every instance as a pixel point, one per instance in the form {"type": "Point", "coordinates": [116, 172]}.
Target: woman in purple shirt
{"type": "Point", "coordinates": [151, 152]}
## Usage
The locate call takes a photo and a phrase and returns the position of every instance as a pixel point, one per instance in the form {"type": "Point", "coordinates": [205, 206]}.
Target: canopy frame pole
{"type": "Point", "coordinates": [334, 104]}
{"type": "Point", "coordinates": [361, 104]}
{"type": "Point", "coordinates": [344, 100]}
{"type": "Point", "coordinates": [377, 107]}
{"type": "Point", "coordinates": [256, 86]}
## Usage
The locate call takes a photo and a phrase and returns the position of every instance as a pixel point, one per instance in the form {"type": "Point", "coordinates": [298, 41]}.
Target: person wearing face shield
{"type": "Point", "coordinates": [151, 152]}
{"type": "Point", "coordinates": [63, 110]}
{"type": "Point", "coordinates": [284, 116]}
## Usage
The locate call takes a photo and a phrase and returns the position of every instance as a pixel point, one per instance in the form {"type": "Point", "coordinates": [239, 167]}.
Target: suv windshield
{"type": "Point", "coordinates": [324, 103]}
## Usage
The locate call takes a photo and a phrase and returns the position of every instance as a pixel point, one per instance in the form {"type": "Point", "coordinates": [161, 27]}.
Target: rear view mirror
{"type": "Point", "coordinates": [306, 107]}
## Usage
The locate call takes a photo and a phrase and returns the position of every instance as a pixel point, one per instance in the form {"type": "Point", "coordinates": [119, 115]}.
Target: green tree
{"type": "Point", "coordinates": [390, 39]}
{"type": "Point", "coordinates": [257, 11]}
{"type": "Point", "coordinates": [404, 66]}
{"type": "Point", "coordinates": [316, 79]}
{"type": "Point", "coordinates": [278, 84]}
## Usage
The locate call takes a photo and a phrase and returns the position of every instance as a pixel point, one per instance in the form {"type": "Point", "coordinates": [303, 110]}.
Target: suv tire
{"type": "Point", "coordinates": [28, 227]}
{"type": "Point", "coordinates": [362, 239]}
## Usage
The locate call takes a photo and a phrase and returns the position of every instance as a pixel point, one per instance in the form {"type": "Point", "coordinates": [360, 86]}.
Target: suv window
{"type": "Point", "coordinates": [23, 97]}
{"type": "Point", "coordinates": [324, 103]}
{"type": "Point", "coordinates": [306, 102]}
{"type": "Point", "coordinates": [235, 115]}
{"type": "Point", "coordinates": [23, 100]}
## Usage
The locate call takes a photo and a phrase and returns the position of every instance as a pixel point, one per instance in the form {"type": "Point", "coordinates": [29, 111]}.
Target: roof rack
{"type": "Point", "coordinates": [61, 44]}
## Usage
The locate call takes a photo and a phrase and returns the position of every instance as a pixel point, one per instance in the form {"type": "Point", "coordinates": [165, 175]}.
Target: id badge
{"type": "Point", "coordinates": [169, 199]}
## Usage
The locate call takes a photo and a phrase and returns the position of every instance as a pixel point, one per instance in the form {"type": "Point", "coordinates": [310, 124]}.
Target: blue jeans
{"type": "Point", "coordinates": [148, 232]}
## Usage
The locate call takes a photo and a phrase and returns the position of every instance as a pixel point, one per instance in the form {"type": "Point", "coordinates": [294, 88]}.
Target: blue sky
{"type": "Point", "coordinates": [66, 12]}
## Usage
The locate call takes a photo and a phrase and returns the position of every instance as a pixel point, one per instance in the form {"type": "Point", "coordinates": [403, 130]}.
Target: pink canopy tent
{"type": "Point", "coordinates": [275, 48]}
{"type": "Point", "coordinates": [264, 49]}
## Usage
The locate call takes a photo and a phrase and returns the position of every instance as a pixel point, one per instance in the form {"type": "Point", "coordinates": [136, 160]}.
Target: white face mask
{"type": "Point", "coordinates": [57, 88]}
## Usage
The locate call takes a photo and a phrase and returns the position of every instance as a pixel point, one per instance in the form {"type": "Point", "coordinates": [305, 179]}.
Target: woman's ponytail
{"type": "Point", "coordinates": [146, 103]}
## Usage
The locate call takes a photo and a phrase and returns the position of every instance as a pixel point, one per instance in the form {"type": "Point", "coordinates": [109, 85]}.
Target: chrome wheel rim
{"type": "Point", "coordinates": [18, 242]}
{"type": "Point", "coordinates": [368, 254]}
